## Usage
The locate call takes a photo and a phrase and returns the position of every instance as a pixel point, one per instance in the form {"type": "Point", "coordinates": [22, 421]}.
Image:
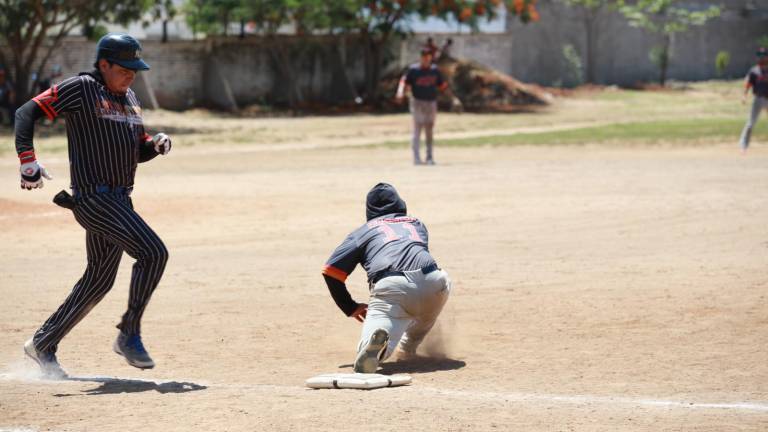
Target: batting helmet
{"type": "Point", "coordinates": [122, 49]}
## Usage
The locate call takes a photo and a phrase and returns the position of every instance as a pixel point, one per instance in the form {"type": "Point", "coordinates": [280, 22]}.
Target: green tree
{"type": "Point", "coordinates": [212, 17]}
{"type": "Point", "coordinates": [163, 10]}
{"type": "Point", "coordinates": [665, 18]}
{"type": "Point", "coordinates": [375, 22]}
{"type": "Point", "coordinates": [722, 60]}
{"type": "Point", "coordinates": [33, 29]}
{"type": "Point", "coordinates": [268, 17]}
{"type": "Point", "coordinates": [591, 10]}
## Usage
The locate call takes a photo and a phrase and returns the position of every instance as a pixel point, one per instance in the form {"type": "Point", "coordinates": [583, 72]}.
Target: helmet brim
{"type": "Point", "coordinates": [135, 64]}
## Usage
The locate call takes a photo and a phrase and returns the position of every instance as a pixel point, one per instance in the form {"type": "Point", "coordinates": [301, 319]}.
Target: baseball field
{"type": "Point", "coordinates": [609, 256]}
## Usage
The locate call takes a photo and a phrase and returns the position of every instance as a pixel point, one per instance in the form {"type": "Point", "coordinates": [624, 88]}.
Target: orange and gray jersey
{"type": "Point", "coordinates": [385, 244]}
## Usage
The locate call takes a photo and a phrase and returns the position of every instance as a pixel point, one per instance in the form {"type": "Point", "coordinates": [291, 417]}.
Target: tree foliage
{"type": "Point", "coordinates": [590, 18]}
{"type": "Point", "coordinates": [374, 21]}
{"type": "Point", "coordinates": [33, 29]}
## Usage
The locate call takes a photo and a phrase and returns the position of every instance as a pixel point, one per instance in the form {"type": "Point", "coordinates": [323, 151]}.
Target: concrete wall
{"type": "Point", "coordinates": [536, 49]}
{"type": "Point", "coordinates": [189, 73]}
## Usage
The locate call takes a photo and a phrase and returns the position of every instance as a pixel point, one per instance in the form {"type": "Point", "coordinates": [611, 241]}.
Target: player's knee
{"type": "Point", "coordinates": [162, 254]}
{"type": "Point", "coordinates": [157, 254]}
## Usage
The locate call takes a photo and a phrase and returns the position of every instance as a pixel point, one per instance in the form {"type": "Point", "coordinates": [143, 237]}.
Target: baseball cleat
{"type": "Point", "coordinates": [47, 361]}
{"type": "Point", "coordinates": [368, 358]}
{"type": "Point", "coordinates": [130, 347]}
{"type": "Point", "coordinates": [430, 162]}
{"type": "Point", "coordinates": [418, 162]}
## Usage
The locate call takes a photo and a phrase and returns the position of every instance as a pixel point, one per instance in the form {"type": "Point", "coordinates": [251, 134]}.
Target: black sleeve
{"type": "Point", "coordinates": [340, 295]}
{"type": "Point", "coordinates": [147, 151]}
{"type": "Point", "coordinates": [25, 125]}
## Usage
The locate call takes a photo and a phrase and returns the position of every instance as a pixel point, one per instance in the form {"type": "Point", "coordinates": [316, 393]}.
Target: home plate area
{"type": "Point", "coordinates": [359, 381]}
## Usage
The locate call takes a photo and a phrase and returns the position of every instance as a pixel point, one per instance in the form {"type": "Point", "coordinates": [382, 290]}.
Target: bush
{"type": "Point", "coordinates": [574, 67]}
{"type": "Point", "coordinates": [722, 61]}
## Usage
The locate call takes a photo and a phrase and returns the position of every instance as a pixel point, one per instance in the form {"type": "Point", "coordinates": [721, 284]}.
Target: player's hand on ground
{"type": "Point", "coordinates": [162, 143]}
{"type": "Point", "coordinates": [32, 174]}
{"type": "Point", "coordinates": [360, 312]}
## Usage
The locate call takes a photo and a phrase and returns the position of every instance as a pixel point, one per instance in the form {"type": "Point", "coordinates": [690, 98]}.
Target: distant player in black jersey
{"type": "Point", "coordinates": [106, 141]}
{"type": "Point", "coordinates": [757, 81]}
{"type": "Point", "coordinates": [408, 289]}
{"type": "Point", "coordinates": [425, 82]}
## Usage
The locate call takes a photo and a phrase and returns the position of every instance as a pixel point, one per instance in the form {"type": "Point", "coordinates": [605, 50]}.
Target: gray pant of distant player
{"type": "Point", "coordinates": [759, 104]}
{"type": "Point", "coordinates": [424, 113]}
{"type": "Point", "coordinates": [406, 307]}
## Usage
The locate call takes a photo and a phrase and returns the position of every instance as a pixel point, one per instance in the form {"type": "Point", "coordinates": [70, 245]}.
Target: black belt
{"type": "Point", "coordinates": [101, 189]}
{"type": "Point", "coordinates": [381, 275]}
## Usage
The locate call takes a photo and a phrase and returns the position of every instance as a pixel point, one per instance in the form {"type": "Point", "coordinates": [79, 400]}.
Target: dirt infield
{"type": "Point", "coordinates": [595, 289]}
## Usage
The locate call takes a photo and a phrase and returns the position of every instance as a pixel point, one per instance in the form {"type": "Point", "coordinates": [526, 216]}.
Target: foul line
{"type": "Point", "coordinates": [496, 397]}
{"type": "Point", "coordinates": [601, 400]}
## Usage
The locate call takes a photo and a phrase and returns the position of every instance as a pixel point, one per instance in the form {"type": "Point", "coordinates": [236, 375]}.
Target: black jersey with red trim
{"type": "Point", "coordinates": [758, 79]}
{"type": "Point", "coordinates": [425, 82]}
{"type": "Point", "coordinates": [105, 130]}
{"type": "Point", "coordinates": [387, 243]}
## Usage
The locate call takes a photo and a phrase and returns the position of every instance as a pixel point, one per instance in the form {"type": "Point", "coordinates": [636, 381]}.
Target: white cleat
{"type": "Point", "coordinates": [48, 363]}
{"type": "Point", "coordinates": [368, 358]}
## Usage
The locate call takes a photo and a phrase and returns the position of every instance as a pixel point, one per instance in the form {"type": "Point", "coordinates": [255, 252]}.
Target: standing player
{"type": "Point", "coordinates": [424, 79]}
{"type": "Point", "coordinates": [757, 80]}
{"type": "Point", "coordinates": [106, 141]}
{"type": "Point", "coordinates": [408, 289]}
{"type": "Point", "coordinates": [7, 98]}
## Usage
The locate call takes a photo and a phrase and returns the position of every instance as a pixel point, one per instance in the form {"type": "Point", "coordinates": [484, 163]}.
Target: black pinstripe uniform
{"type": "Point", "coordinates": [106, 141]}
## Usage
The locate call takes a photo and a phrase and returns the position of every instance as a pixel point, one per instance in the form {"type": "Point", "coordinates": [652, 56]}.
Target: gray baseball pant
{"type": "Point", "coordinates": [424, 113]}
{"type": "Point", "coordinates": [406, 307]}
{"type": "Point", "coordinates": [758, 104]}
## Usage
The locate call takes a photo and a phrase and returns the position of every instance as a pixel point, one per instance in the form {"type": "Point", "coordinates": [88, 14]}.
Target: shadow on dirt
{"type": "Point", "coordinates": [421, 365]}
{"type": "Point", "coordinates": [417, 365]}
{"type": "Point", "coordinates": [121, 385]}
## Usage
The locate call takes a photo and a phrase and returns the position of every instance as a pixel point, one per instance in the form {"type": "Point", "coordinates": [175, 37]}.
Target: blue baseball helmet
{"type": "Point", "coordinates": [121, 49]}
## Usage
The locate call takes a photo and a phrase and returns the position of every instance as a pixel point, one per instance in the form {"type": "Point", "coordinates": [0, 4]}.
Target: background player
{"type": "Point", "coordinates": [757, 80]}
{"type": "Point", "coordinates": [106, 141]}
{"type": "Point", "coordinates": [424, 80]}
{"type": "Point", "coordinates": [7, 98]}
{"type": "Point", "coordinates": [408, 290]}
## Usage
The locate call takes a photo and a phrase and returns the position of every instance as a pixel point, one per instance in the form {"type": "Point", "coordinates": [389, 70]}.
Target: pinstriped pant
{"type": "Point", "coordinates": [111, 226]}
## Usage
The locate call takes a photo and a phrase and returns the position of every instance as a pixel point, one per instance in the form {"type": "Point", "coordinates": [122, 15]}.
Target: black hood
{"type": "Point", "coordinates": [382, 200]}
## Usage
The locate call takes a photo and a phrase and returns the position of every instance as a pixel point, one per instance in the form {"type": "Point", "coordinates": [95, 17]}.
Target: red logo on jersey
{"type": "Point", "coordinates": [426, 81]}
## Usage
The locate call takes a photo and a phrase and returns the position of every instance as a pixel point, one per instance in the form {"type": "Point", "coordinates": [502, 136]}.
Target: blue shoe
{"type": "Point", "coordinates": [370, 355]}
{"type": "Point", "coordinates": [130, 347]}
{"type": "Point", "coordinates": [47, 361]}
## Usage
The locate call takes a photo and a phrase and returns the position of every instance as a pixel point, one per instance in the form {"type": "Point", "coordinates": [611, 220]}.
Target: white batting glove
{"type": "Point", "coordinates": [32, 174]}
{"type": "Point", "coordinates": [162, 143]}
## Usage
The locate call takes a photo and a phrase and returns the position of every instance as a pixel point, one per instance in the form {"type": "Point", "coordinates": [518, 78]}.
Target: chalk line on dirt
{"type": "Point", "coordinates": [596, 400]}
{"type": "Point", "coordinates": [505, 397]}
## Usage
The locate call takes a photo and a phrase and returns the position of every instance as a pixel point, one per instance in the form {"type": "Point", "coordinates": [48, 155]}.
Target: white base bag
{"type": "Point", "coordinates": [358, 381]}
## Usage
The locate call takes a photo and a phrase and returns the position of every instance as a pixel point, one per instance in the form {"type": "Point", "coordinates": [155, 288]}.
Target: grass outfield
{"type": "Point", "coordinates": [652, 132]}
